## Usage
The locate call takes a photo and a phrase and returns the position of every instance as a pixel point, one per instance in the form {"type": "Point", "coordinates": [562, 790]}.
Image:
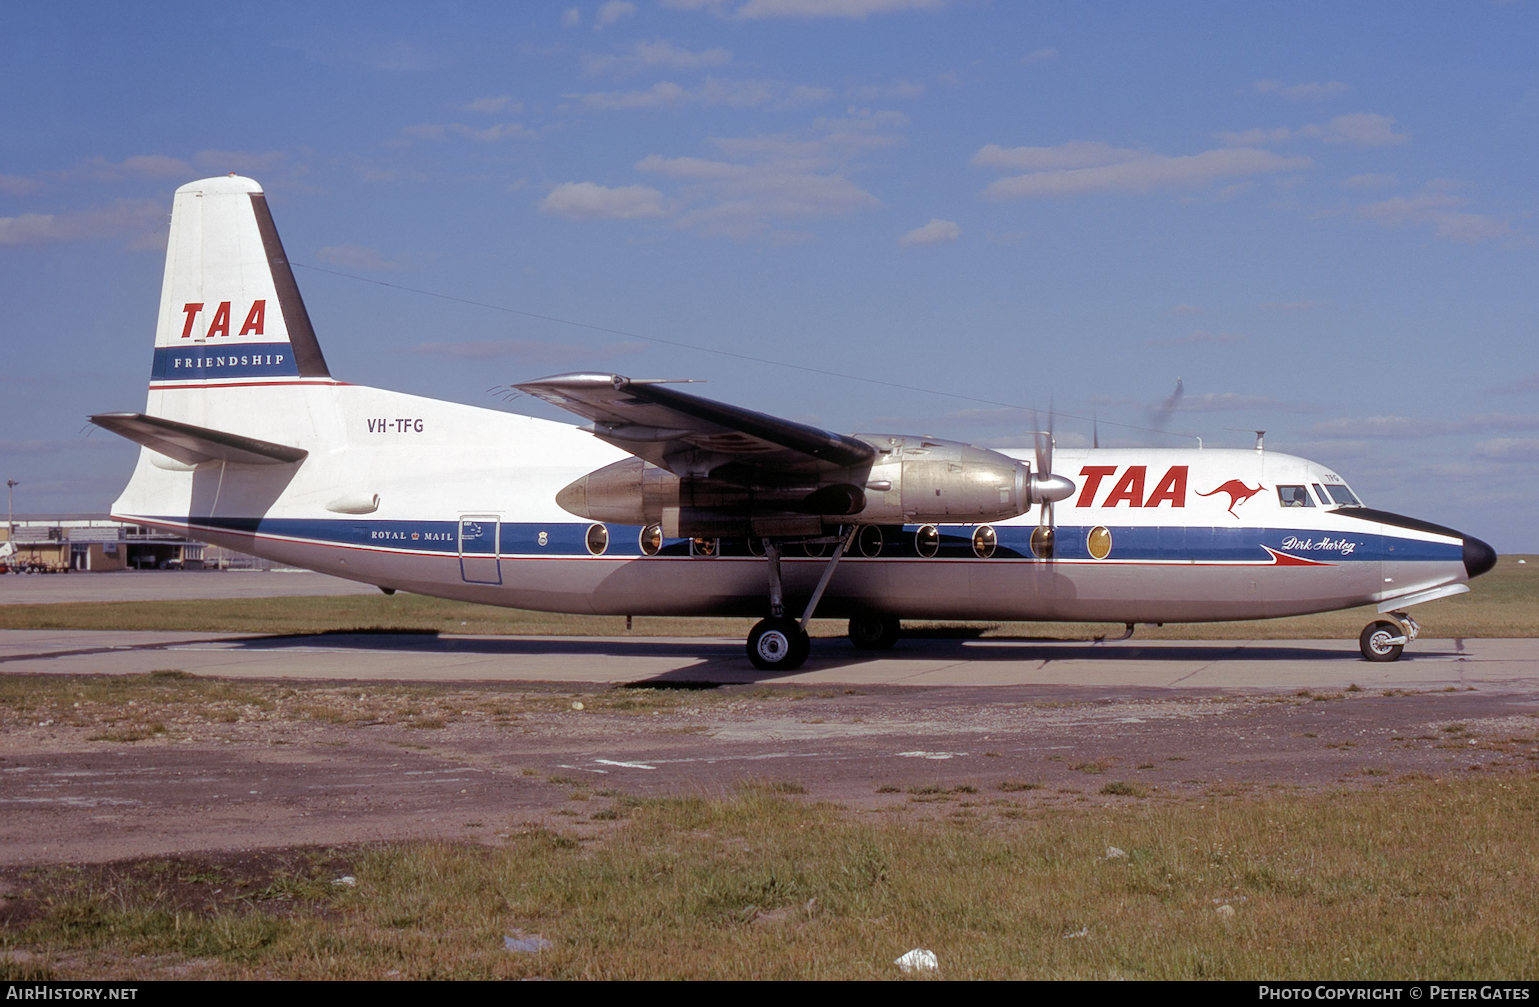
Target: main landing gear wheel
{"type": "Point", "coordinates": [778, 644]}
{"type": "Point", "coordinates": [874, 632]}
{"type": "Point", "coordinates": [1381, 641]}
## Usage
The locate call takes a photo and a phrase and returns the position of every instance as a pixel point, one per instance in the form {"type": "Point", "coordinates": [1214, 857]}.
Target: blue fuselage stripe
{"type": "Point", "coordinates": [1169, 543]}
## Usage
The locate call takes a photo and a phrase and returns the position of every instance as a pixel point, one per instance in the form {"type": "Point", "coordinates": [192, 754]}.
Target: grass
{"type": "Point", "coordinates": [1503, 603]}
{"type": "Point", "coordinates": [1421, 880]}
{"type": "Point", "coordinates": [169, 703]}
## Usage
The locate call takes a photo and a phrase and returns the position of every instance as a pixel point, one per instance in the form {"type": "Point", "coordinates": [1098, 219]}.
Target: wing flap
{"type": "Point", "coordinates": [192, 444]}
{"type": "Point", "coordinates": [685, 433]}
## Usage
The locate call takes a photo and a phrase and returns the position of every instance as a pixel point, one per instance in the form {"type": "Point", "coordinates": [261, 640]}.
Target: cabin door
{"type": "Point", "coordinates": [479, 562]}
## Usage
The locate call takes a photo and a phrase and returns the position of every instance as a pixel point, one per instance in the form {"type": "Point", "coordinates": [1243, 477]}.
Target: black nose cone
{"type": "Point", "coordinates": [1478, 557]}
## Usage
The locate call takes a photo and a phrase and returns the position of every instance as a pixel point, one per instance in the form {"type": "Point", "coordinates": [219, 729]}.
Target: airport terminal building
{"type": "Point", "coordinates": [93, 543]}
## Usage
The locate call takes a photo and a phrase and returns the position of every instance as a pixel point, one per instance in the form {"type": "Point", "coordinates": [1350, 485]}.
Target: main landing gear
{"type": "Point", "coordinates": [874, 632]}
{"type": "Point", "coordinates": [1385, 640]}
{"type": "Point", "coordinates": [780, 643]}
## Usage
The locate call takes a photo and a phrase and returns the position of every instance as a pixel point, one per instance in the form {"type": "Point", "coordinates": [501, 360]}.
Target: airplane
{"type": "Point", "coordinates": [669, 503]}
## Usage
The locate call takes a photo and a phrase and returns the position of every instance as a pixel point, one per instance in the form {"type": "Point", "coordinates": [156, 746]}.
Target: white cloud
{"type": "Point", "coordinates": [897, 89]}
{"type": "Point", "coordinates": [1039, 55]}
{"type": "Point", "coordinates": [658, 95]}
{"type": "Point", "coordinates": [611, 12]}
{"type": "Point", "coordinates": [744, 195]}
{"type": "Point", "coordinates": [1406, 427]}
{"type": "Point", "coordinates": [491, 106]}
{"type": "Point", "coordinates": [17, 185]}
{"type": "Point", "coordinates": [763, 181]}
{"type": "Point", "coordinates": [1073, 154]}
{"type": "Point", "coordinates": [1509, 449]}
{"type": "Point", "coordinates": [933, 233]}
{"type": "Point", "coordinates": [1527, 383]}
{"type": "Point", "coordinates": [1370, 180]}
{"type": "Point", "coordinates": [862, 129]}
{"type": "Point", "coordinates": [1152, 171]}
{"type": "Point", "coordinates": [661, 53]}
{"type": "Point", "coordinates": [1222, 402]}
{"type": "Point", "coordinates": [1308, 92]}
{"type": "Point", "coordinates": [571, 17]}
{"type": "Point", "coordinates": [1364, 129]}
{"type": "Point", "coordinates": [433, 131]}
{"type": "Point", "coordinates": [245, 162]}
{"type": "Point", "coordinates": [138, 166]}
{"type": "Point", "coordinates": [849, 9]}
{"type": "Point", "coordinates": [355, 257]}
{"type": "Point", "coordinates": [715, 91]}
{"type": "Point", "coordinates": [142, 222]}
{"type": "Point", "coordinates": [1200, 338]}
{"type": "Point", "coordinates": [591, 201]}
{"type": "Point", "coordinates": [1439, 208]}
{"type": "Point", "coordinates": [1259, 137]}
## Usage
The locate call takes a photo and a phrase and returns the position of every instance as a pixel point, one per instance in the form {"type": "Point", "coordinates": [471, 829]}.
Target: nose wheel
{"type": "Point", "coordinates": [1384, 641]}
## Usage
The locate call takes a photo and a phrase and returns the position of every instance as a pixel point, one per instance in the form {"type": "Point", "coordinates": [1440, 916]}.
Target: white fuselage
{"type": "Point", "coordinates": [466, 510]}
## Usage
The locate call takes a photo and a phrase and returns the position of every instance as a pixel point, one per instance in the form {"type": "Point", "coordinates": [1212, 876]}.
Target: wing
{"type": "Point", "coordinates": [693, 436]}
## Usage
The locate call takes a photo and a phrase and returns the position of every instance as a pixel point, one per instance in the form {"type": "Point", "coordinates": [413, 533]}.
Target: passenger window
{"type": "Point", "coordinates": [1294, 496]}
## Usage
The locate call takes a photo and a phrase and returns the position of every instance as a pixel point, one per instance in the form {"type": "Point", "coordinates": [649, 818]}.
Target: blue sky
{"type": "Point", "coordinates": [1320, 217]}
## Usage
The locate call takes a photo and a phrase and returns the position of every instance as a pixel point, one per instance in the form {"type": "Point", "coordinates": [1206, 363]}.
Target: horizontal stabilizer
{"type": "Point", "coordinates": [191, 445]}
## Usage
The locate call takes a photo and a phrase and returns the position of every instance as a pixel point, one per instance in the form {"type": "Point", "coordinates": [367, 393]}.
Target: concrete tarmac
{"type": "Point", "coordinates": [171, 585]}
{"type": "Point", "coordinates": [1509, 666]}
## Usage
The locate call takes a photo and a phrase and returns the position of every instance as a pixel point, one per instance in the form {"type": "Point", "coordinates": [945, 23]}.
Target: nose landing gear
{"type": "Point", "coordinates": [1384, 641]}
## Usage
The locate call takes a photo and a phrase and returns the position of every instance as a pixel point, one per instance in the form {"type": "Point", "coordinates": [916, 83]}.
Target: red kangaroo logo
{"type": "Point", "coordinates": [1238, 494]}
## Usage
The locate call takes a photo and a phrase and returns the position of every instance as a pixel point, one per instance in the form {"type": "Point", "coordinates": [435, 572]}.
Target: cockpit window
{"type": "Point", "coordinates": [1343, 496]}
{"type": "Point", "coordinates": [1294, 496]}
{"type": "Point", "coordinates": [1325, 501]}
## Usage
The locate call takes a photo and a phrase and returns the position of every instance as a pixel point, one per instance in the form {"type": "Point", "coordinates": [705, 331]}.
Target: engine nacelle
{"type": "Point", "coordinates": [634, 492]}
{"type": "Point", "coordinates": [924, 480]}
{"type": "Point", "coordinates": [913, 480]}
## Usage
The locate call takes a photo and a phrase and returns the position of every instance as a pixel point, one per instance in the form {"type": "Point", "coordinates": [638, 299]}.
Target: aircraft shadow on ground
{"type": "Point", "coordinates": [719, 657]}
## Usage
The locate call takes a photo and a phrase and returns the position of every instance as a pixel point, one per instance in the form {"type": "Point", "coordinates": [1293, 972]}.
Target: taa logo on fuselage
{"type": "Point", "coordinates": [1129, 489]}
{"type": "Point", "coordinates": [219, 324]}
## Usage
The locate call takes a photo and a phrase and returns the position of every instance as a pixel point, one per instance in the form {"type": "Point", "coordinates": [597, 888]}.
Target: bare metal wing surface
{"type": "Point", "coordinates": [693, 436]}
{"type": "Point", "coordinates": [705, 469]}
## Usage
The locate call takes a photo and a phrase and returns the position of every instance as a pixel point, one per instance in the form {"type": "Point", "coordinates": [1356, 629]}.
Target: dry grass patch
{"type": "Point", "coordinates": [1423, 879]}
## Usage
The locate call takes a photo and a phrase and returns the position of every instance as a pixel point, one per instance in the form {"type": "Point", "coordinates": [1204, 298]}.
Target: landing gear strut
{"type": "Point", "coordinates": [1385, 640]}
{"type": "Point", "coordinates": [779, 643]}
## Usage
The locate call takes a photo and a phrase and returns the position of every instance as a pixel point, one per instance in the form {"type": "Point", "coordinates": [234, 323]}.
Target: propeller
{"type": "Point", "coordinates": [1047, 488]}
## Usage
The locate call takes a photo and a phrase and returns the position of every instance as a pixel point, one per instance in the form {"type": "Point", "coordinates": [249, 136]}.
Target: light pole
{"type": "Point", "coordinates": [10, 525]}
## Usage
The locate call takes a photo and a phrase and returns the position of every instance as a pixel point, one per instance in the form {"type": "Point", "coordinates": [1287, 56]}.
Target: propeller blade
{"type": "Point", "coordinates": [1047, 487]}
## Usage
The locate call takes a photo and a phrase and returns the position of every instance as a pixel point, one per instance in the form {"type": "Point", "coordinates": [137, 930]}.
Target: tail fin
{"type": "Point", "coordinates": [229, 307]}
